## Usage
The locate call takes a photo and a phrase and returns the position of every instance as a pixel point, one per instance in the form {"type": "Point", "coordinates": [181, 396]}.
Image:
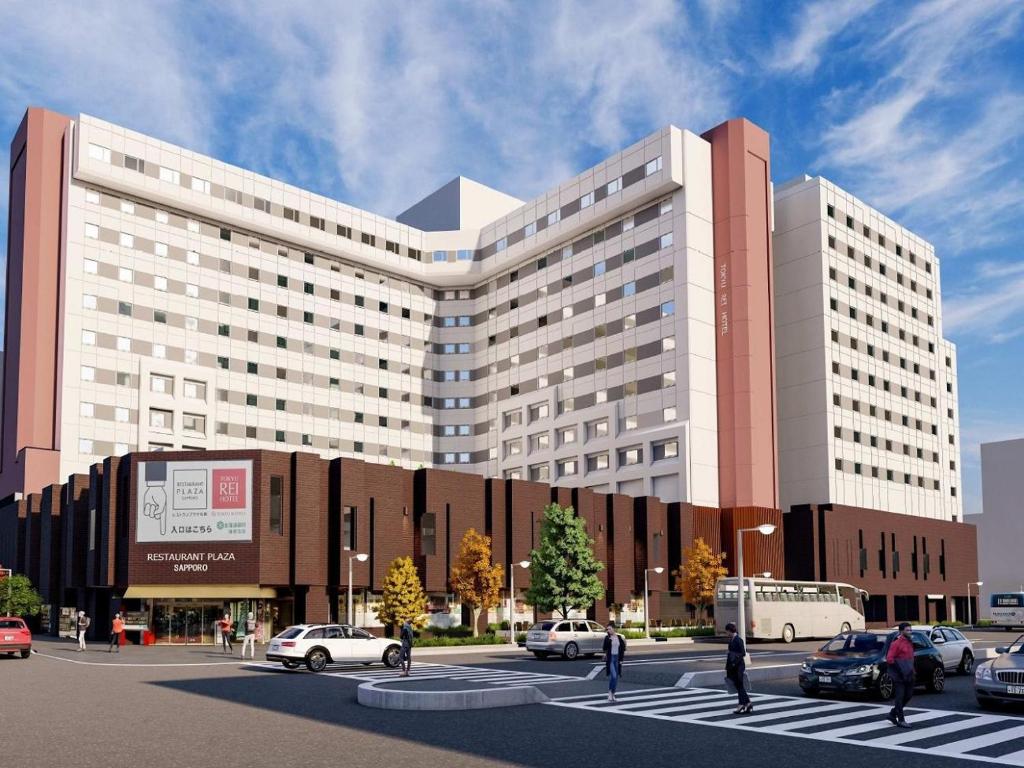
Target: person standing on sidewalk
{"type": "Point", "coordinates": [250, 635]}
{"type": "Point", "coordinates": [900, 667]}
{"type": "Point", "coordinates": [736, 668]}
{"type": "Point", "coordinates": [225, 633]}
{"type": "Point", "coordinates": [614, 652]}
{"type": "Point", "coordinates": [83, 625]}
{"type": "Point", "coordinates": [405, 660]}
{"type": "Point", "coordinates": [116, 630]}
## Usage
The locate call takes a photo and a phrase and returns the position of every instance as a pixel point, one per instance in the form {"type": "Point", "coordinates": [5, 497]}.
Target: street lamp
{"type": "Point", "coordinates": [978, 584]}
{"type": "Point", "coordinates": [647, 611]}
{"type": "Point", "coordinates": [766, 529]}
{"type": "Point", "coordinates": [362, 558]}
{"type": "Point", "coordinates": [512, 599]}
{"type": "Point", "coordinates": [766, 575]}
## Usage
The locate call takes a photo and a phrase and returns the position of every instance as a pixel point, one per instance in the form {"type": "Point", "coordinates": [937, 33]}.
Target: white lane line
{"type": "Point", "coordinates": [135, 664]}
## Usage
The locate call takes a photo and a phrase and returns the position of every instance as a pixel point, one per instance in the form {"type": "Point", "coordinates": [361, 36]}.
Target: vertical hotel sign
{"type": "Point", "coordinates": [200, 501]}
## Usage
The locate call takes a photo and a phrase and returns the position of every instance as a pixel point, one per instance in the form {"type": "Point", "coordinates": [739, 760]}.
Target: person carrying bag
{"type": "Point", "coordinates": [614, 652]}
{"type": "Point", "coordinates": [736, 669]}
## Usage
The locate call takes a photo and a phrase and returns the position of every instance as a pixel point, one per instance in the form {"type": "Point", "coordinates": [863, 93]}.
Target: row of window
{"type": "Point", "coordinates": [883, 270]}
{"type": "Point", "coordinates": [830, 211]}
{"type": "Point", "coordinates": [888, 474]}
{"type": "Point", "coordinates": [883, 355]}
{"type": "Point", "coordinates": [885, 385]}
{"type": "Point", "coordinates": [872, 410]}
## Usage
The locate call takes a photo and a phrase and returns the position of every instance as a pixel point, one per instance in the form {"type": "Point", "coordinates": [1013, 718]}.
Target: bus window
{"type": "Point", "coordinates": [1007, 600]}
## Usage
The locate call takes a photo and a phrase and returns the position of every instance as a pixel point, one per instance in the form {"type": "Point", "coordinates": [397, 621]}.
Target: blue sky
{"type": "Point", "coordinates": [916, 108]}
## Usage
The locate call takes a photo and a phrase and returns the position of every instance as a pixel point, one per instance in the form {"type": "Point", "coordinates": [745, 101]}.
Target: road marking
{"type": "Point", "coordinates": [429, 671]}
{"type": "Point", "coordinates": [135, 664]}
{"type": "Point", "coordinates": [969, 736]}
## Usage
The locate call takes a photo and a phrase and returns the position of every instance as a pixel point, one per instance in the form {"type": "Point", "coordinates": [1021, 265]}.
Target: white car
{"type": "Point", "coordinates": [317, 645]}
{"type": "Point", "coordinates": [956, 650]}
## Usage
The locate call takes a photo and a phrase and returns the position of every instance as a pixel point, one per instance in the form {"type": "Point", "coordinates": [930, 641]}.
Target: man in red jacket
{"type": "Point", "coordinates": [900, 661]}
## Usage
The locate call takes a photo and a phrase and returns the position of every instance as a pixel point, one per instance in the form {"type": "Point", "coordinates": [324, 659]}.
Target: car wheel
{"type": "Point", "coordinates": [966, 663]}
{"type": "Point", "coordinates": [886, 686]}
{"type": "Point", "coordinates": [571, 651]}
{"type": "Point", "coordinates": [938, 681]}
{"type": "Point", "coordinates": [392, 656]}
{"type": "Point", "coordinates": [26, 654]}
{"type": "Point", "coordinates": [845, 628]}
{"type": "Point", "coordinates": [788, 633]}
{"type": "Point", "coordinates": [540, 654]}
{"type": "Point", "coordinates": [316, 660]}
{"type": "Point", "coordinates": [290, 664]}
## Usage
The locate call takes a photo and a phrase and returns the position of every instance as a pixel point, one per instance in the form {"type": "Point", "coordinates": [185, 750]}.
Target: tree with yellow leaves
{"type": "Point", "coordinates": [403, 596]}
{"type": "Point", "coordinates": [697, 576]}
{"type": "Point", "coordinates": [474, 578]}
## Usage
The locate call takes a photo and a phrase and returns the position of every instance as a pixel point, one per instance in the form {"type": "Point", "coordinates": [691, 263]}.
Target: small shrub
{"type": "Point", "coordinates": [457, 631]}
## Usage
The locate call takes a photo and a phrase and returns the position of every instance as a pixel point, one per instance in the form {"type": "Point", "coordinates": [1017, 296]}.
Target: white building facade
{"type": "Point", "coordinates": [866, 383]}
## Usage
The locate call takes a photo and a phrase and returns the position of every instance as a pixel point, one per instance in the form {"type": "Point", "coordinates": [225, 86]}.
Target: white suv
{"type": "Point", "coordinates": [957, 651]}
{"type": "Point", "coordinates": [317, 645]}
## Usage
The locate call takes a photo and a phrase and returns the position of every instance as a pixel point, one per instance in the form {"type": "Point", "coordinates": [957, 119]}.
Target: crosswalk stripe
{"type": "Point", "coordinates": [966, 746]}
{"type": "Point", "coordinates": [882, 722]}
{"type": "Point", "coordinates": [936, 730]}
{"type": "Point", "coordinates": [786, 704]}
{"type": "Point", "coordinates": [771, 717]}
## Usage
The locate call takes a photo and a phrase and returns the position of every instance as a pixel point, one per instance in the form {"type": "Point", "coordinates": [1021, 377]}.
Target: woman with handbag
{"type": "Point", "coordinates": [614, 651]}
{"type": "Point", "coordinates": [736, 669]}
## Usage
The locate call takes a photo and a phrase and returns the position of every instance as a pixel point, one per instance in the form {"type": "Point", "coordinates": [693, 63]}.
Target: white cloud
{"type": "Point", "coordinates": [990, 305]}
{"type": "Point", "coordinates": [820, 23]}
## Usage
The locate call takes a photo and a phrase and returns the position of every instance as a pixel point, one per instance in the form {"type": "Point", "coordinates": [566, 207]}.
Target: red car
{"type": "Point", "coordinates": [14, 637]}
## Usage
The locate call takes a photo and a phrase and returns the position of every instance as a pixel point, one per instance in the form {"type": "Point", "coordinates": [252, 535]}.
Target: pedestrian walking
{"type": "Point", "coordinates": [116, 630]}
{"type": "Point", "coordinates": [405, 660]}
{"type": "Point", "coordinates": [900, 667]}
{"type": "Point", "coordinates": [225, 633]}
{"type": "Point", "coordinates": [614, 652]}
{"type": "Point", "coordinates": [736, 668]}
{"type": "Point", "coordinates": [83, 625]}
{"type": "Point", "coordinates": [250, 635]}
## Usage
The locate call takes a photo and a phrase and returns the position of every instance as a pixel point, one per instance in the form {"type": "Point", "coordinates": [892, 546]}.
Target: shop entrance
{"type": "Point", "coordinates": [186, 623]}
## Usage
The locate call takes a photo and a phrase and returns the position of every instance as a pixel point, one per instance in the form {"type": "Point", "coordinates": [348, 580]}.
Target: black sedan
{"type": "Point", "coordinates": [854, 662]}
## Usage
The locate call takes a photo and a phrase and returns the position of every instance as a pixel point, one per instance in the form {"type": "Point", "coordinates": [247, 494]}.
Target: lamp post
{"type": "Point", "coordinates": [765, 530]}
{"type": "Point", "coordinates": [647, 610]}
{"type": "Point", "coordinates": [978, 584]}
{"type": "Point", "coordinates": [512, 599]}
{"type": "Point", "coordinates": [362, 558]}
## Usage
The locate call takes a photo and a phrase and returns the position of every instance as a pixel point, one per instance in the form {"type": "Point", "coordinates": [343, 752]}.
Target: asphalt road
{"type": "Point", "coordinates": [184, 707]}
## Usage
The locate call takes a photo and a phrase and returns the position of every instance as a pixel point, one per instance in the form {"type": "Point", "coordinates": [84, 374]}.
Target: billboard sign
{"type": "Point", "coordinates": [194, 501]}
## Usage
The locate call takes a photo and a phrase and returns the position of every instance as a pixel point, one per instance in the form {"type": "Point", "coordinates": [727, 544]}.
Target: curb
{"type": "Point", "coordinates": [707, 678]}
{"type": "Point", "coordinates": [369, 695]}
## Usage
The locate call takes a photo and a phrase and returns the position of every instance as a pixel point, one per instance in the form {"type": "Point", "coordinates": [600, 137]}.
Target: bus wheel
{"type": "Point", "coordinates": [788, 633]}
{"type": "Point", "coordinates": [845, 628]}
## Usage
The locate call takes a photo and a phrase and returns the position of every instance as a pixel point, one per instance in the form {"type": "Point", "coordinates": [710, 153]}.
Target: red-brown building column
{"type": "Point", "coordinates": [741, 197]}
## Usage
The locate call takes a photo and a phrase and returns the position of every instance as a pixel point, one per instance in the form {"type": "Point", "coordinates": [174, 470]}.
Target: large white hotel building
{"type": "Point", "coordinates": [626, 331]}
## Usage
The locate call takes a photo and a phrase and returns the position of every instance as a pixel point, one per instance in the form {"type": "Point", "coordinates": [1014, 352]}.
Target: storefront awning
{"type": "Point", "coordinates": [936, 597]}
{"type": "Point", "coordinates": [190, 591]}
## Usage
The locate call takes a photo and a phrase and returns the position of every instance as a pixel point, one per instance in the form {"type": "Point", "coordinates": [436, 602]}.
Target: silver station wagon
{"type": "Point", "coordinates": [566, 637]}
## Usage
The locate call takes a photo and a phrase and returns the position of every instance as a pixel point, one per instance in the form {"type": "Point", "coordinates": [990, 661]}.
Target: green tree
{"type": "Point", "coordinates": [403, 596]}
{"type": "Point", "coordinates": [18, 597]}
{"type": "Point", "coordinates": [475, 579]}
{"type": "Point", "coordinates": [563, 569]}
{"type": "Point", "coordinates": [697, 576]}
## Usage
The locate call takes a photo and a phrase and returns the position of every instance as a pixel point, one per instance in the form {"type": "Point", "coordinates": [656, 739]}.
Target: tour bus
{"type": "Point", "coordinates": [1007, 609]}
{"type": "Point", "coordinates": [786, 610]}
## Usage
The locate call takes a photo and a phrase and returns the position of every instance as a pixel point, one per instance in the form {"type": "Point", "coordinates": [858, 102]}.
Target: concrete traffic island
{"type": "Point", "coordinates": [385, 695]}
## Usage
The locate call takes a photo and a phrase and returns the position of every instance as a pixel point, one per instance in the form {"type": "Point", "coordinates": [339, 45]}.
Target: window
{"type": "Point", "coordinates": [121, 414]}
{"type": "Point", "coordinates": [127, 206]}
{"type": "Point", "coordinates": [84, 445]}
{"type": "Point", "coordinates": [276, 501]}
{"type": "Point", "coordinates": [540, 473]}
{"type": "Point", "coordinates": [512, 447]}
{"type": "Point", "coordinates": [195, 390]}
{"type": "Point", "coordinates": [194, 422]}
{"type": "Point", "coordinates": [539, 411]}
{"type": "Point", "coordinates": [128, 241]}
{"type": "Point", "coordinates": [566, 436]}
{"type": "Point", "coordinates": [428, 534]}
{"type": "Point", "coordinates": [160, 419]}
{"type": "Point", "coordinates": [87, 410]}
{"type": "Point", "coordinates": [629, 289]}
{"type": "Point", "coordinates": [652, 166]}
{"type": "Point", "coordinates": [597, 462]}
{"type": "Point", "coordinates": [666, 449]}
{"type": "Point", "coordinates": [539, 442]}
{"type": "Point", "coordinates": [668, 308]}
{"type": "Point", "coordinates": [173, 177]}
{"type": "Point", "coordinates": [567, 467]}
{"type": "Point", "coordinates": [512, 418]}
{"type": "Point", "coordinates": [587, 200]}
{"type": "Point", "coordinates": [630, 456]}
{"type": "Point", "coordinates": [96, 152]}
{"type": "Point", "coordinates": [160, 384]}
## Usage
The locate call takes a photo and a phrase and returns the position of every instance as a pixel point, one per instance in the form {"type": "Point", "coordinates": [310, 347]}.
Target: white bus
{"type": "Point", "coordinates": [786, 610]}
{"type": "Point", "coordinates": [1007, 609]}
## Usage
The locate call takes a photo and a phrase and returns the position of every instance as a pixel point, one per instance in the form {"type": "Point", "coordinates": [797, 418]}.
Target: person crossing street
{"type": "Point", "coordinates": [736, 668]}
{"type": "Point", "coordinates": [900, 666]}
{"type": "Point", "coordinates": [614, 652]}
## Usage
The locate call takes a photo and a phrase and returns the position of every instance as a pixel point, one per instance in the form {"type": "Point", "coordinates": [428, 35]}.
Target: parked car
{"type": "Point", "coordinates": [957, 651]}
{"type": "Point", "coordinates": [1001, 680]}
{"type": "Point", "coordinates": [854, 662]}
{"type": "Point", "coordinates": [15, 637]}
{"type": "Point", "coordinates": [317, 645]}
{"type": "Point", "coordinates": [567, 637]}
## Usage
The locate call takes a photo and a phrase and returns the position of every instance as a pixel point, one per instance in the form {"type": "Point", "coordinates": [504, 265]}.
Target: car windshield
{"type": "Point", "coordinates": [860, 644]}
{"type": "Point", "coordinates": [544, 625]}
{"type": "Point", "coordinates": [291, 632]}
{"type": "Point", "coordinates": [11, 624]}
